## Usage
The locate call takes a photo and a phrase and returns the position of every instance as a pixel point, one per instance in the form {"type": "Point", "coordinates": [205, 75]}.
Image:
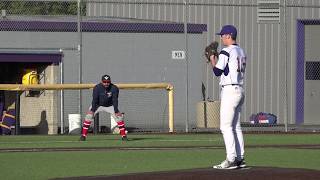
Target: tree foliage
{"type": "Point", "coordinates": [41, 7]}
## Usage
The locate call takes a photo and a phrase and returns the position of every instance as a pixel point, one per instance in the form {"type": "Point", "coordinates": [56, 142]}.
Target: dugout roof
{"type": "Point", "coordinates": [31, 57]}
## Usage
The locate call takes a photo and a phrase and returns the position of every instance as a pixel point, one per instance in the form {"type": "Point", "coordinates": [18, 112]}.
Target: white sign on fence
{"type": "Point", "coordinates": [178, 55]}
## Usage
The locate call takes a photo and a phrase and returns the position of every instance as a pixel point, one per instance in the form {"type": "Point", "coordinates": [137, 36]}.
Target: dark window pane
{"type": "Point", "coordinates": [312, 70]}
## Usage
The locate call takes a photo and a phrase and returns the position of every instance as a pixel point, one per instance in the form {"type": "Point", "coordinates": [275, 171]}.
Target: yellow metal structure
{"type": "Point", "coordinates": [167, 86]}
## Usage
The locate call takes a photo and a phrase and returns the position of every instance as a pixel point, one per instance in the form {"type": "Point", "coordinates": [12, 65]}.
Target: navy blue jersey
{"type": "Point", "coordinates": [102, 96]}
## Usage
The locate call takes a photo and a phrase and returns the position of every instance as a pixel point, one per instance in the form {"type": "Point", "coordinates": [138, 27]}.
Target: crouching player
{"type": "Point", "coordinates": [105, 99]}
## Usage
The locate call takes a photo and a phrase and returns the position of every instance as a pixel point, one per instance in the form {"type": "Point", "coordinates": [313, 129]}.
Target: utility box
{"type": "Point", "coordinates": [208, 114]}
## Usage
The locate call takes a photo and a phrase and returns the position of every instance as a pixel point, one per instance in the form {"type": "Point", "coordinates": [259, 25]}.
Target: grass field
{"type": "Point", "coordinates": [107, 155]}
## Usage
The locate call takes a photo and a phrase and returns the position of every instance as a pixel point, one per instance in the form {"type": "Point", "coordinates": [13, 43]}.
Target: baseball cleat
{"type": "Point", "coordinates": [241, 163]}
{"type": "Point", "coordinates": [226, 165]}
{"type": "Point", "coordinates": [82, 138]}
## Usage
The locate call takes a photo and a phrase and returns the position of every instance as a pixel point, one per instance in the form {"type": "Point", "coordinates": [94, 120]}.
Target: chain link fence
{"type": "Point", "coordinates": [278, 36]}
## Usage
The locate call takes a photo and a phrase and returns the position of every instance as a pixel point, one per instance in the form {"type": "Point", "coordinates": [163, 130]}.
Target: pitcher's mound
{"type": "Point", "coordinates": [249, 173]}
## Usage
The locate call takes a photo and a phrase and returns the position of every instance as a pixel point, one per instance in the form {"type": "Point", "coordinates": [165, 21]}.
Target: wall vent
{"type": "Point", "coordinates": [268, 11]}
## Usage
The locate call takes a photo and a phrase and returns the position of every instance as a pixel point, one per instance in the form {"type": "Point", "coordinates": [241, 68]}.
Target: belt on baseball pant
{"type": "Point", "coordinates": [231, 85]}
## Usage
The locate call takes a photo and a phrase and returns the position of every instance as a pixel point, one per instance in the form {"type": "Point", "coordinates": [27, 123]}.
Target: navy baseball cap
{"type": "Point", "coordinates": [228, 29]}
{"type": "Point", "coordinates": [106, 78]}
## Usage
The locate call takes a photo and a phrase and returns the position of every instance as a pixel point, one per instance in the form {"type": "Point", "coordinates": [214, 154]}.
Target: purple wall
{"type": "Point", "coordinates": [300, 67]}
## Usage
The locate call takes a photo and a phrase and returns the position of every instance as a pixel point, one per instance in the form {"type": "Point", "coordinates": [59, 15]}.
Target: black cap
{"type": "Point", "coordinates": [105, 78]}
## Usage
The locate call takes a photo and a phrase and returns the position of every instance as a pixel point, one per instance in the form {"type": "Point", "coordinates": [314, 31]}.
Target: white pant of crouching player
{"type": "Point", "coordinates": [113, 118]}
{"type": "Point", "coordinates": [117, 121]}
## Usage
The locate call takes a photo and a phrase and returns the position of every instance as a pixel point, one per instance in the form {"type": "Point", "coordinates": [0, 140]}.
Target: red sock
{"type": "Point", "coordinates": [122, 128]}
{"type": "Point", "coordinates": [85, 127]}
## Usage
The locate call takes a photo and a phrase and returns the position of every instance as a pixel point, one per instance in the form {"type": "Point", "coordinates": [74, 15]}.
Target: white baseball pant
{"type": "Point", "coordinates": [113, 118]}
{"type": "Point", "coordinates": [232, 98]}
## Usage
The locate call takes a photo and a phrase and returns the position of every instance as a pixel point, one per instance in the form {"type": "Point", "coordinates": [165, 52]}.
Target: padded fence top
{"type": "Point", "coordinates": [105, 26]}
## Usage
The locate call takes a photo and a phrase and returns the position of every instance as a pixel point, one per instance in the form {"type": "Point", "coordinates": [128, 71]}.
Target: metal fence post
{"type": "Point", "coordinates": [80, 53]}
{"type": "Point", "coordinates": [186, 59]}
{"type": "Point", "coordinates": [62, 99]}
{"type": "Point", "coordinates": [285, 67]}
{"type": "Point", "coordinates": [96, 124]}
{"type": "Point", "coordinates": [17, 107]}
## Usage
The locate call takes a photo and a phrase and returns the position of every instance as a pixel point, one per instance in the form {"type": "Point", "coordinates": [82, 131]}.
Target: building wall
{"type": "Point", "coordinates": [39, 112]}
{"type": "Point", "coordinates": [146, 58]}
{"type": "Point", "coordinates": [128, 58]}
{"type": "Point", "coordinates": [270, 47]}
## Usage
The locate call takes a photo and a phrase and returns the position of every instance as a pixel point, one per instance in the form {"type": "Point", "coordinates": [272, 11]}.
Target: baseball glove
{"type": "Point", "coordinates": [211, 49]}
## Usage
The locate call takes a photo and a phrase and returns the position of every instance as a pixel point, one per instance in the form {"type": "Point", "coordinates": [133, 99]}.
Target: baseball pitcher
{"type": "Point", "coordinates": [230, 65]}
{"type": "Point", "coordinates": [105, 99]}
